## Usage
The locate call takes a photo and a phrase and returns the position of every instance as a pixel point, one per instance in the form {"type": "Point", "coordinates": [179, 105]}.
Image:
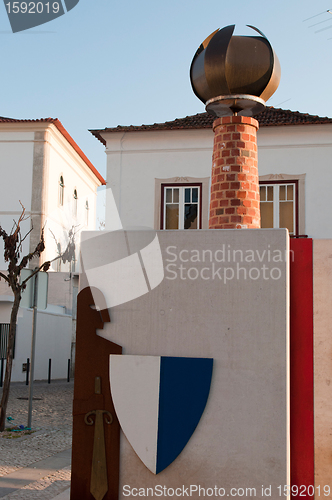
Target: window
{"type": "Point", "coordinates": [4, 333]}
{"type": "Point", "coordinates": [203, 183]}
{"type": "Point", "coordinates": [279, 205]}
{"type": "Point", "coordinates": [75, 203]}
{"type": "Point", "coordinates": [86, 213]}
{"type": "Point", "coordinates": [181, 206]}
{"type": "Point", "coordinates": [61, 191]}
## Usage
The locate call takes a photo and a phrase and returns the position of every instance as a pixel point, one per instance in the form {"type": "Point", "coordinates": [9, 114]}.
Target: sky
{"type": "Point", "coordinates": [107, 63]}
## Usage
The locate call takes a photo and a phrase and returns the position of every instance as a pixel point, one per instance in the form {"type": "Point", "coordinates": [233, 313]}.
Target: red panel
{"type": "Point", "coordinates": [301, 365]}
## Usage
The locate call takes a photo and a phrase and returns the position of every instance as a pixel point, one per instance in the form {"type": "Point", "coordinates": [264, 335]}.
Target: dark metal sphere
{"type": "Point", "coordinates": [227, 65]}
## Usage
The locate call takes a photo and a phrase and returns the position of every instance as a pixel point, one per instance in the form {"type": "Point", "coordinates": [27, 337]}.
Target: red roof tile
{"type": "Point", "coordinates": [271, 117]}
{"type": "Point", "coordinates": [65, 134]}
{"type": "Point", "coordinates": [15, 120]}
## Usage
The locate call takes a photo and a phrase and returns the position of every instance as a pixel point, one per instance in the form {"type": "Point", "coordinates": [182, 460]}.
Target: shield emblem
{"type": "Point", "coordinates": [159, 401]}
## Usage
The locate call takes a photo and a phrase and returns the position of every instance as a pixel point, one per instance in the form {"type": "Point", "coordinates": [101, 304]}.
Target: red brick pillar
{"type": "Point", "coordinates": [234, 186]}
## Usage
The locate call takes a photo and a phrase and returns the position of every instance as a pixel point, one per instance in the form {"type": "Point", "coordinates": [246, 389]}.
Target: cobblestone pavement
{"type": "Point", "coordinates": [52, 426]}
{"type": "Point", "coordinates": [45, 489]}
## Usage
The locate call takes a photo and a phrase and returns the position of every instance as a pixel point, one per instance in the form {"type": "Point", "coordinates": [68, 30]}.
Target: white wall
{"type": "Point", "coordinates": [55, 328]}
{"type": "Point", "coordinates": [56, 156]}
{"type": "Point", "coordinates": [63, 160]}
{"type": "Point", "coordinates": [6, 303]}
{"type": "Point", "coordinates": [53, 340]}
{"type": "Point", "coordinates": [305, 149]}
{"type": "Point", "coordinates": [135, 159]}
{"type": "Point", "coordinates": [16, 159]}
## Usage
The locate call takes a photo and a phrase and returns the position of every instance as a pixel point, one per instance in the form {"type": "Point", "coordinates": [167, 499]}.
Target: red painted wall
{"type": "Point", "coordinates": [301, 366]}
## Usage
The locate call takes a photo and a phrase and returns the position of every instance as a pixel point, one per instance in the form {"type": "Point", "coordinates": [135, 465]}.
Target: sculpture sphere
{"type": "Point", "coordinates": [241, 67]}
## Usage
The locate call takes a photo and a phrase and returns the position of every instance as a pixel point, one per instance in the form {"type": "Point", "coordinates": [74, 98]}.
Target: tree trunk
{"type": "Point", "coordinates": [9, 361]}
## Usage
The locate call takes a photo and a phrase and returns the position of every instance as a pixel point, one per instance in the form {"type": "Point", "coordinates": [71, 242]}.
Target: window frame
{"type": "Point", "coordinates": [285, 182]}
{"type": "Point", "coordinates": [61, 191]}
{"type": "Point", "coordinates": [182, 185]}
{"type": "Point", "coordinates": [75, 197]}
{"type": "Point", "coordinates": [87, 208]}
{"type": "Point", "coordinates": [206, 188]}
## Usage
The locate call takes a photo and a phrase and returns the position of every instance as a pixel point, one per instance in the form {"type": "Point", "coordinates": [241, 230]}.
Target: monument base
{"type": "Point", "coordinates": [224, 296]}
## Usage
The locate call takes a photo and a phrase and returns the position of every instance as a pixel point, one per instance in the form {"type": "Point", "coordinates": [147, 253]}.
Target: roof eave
{"type": "Point", "coordinates": [279, 117]}
{"type": "Point", "coordinates": [96, 134]}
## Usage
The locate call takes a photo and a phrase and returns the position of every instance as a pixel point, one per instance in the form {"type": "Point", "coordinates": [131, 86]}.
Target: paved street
{"type": "Point", "coordinates": [37, 466]}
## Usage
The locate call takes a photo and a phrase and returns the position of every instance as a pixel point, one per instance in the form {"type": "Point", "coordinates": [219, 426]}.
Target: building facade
{"type": "Point", "coordinates": [45, 171]}
{"type": "Point", "coordinates": [160, 174]}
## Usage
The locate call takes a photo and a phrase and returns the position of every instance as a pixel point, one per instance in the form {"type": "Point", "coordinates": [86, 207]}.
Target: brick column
{"type": "Point", "coordinates": [234, 184]}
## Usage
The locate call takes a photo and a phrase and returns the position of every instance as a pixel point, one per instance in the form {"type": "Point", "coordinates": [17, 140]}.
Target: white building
{"type": "Point", "coordinates": [145, 163]}
{"type": "Point", "coordinates": [45, 170]}
{"type": "Point", "coordinates": [157, 169]}
{"type": "Point", "coordinates": [49, 174]}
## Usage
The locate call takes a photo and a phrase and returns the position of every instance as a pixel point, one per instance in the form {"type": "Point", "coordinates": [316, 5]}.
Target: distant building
{"type": "Point", "coordinates": [43, 168]}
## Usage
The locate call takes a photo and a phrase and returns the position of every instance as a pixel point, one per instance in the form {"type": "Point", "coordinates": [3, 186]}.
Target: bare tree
{"type": "Point", "coordinates": [12, 255]}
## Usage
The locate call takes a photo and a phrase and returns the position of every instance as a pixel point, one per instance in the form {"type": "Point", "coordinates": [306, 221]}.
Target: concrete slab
{"type": "Point", "coordinates": [65, 495]}
{"type": "Point", "coordinates": [34, 472]}
{"type": "Point", "coordinates": [224, 296]}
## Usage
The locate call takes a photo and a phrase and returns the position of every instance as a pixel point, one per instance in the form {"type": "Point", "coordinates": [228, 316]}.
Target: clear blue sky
{"type": "Point", "coordinates": [110, 62]}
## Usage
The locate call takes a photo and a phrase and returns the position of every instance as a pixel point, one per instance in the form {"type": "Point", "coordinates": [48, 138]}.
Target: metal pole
{"type": "Point", "coordinates": [68, 371]}
{"type": "Point", "coordinates": [1, 372]}
{"type": "Point", "coordinates": [49, 371]}
{"type": "Point", "coordinates": [28, 370]}
{"type": "Point", "coordinates": [33, 345]}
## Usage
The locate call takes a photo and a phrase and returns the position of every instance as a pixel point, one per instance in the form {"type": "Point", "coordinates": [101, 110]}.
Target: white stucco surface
{"type": "Point", "coordinates": [16, 162]}
{"type": "Point", "coordinates": [33, 156]}
{"type": "Point", "coordinates": [65, 162]}
{"type": "Point", "coordinates": [305, 149]}
{"type": "Point", "coordinates": [16, 153]}
{"type": "Point", "coordinates": [6, 303]}
{"type": "Point", "coordinates": [53, 341]}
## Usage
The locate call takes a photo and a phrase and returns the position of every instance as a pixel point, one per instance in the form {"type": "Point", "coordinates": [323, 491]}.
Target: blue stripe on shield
{"type": "Point", "coordinates": [184, 390]}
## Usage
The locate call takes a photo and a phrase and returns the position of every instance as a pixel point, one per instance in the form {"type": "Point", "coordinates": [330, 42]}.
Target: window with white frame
{"type": "Point", "coordinates": [61, 191]}
{"type": "Point", "coordinates": [181, 206]}
{"type": "Point", "coordinates": [75, 203]}
{"type": "Point", "coordinates": [87, 213]}
{"type": "Point", "coordinates": [279, 205]}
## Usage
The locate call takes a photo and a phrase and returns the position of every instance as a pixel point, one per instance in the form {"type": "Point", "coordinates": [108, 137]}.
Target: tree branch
{"type": "Point", "coordinates": [26, 235]}
{"type": "Point", "coordinates": [33, 274]}
{"type": "Point", "coordinates": [4, 277]}
{"type": "Point", "coordinates": [21, 218]}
